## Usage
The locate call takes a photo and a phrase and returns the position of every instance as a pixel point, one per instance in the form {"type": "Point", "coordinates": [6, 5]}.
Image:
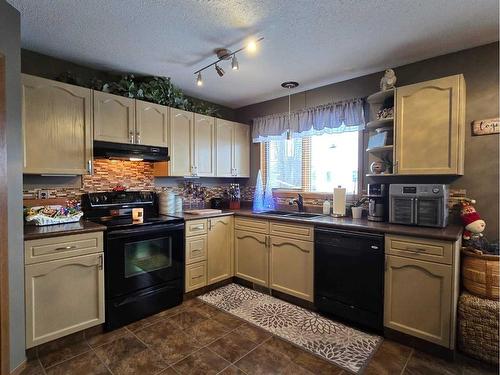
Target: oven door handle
{"type": "Point", "coordinates": [156, 229]}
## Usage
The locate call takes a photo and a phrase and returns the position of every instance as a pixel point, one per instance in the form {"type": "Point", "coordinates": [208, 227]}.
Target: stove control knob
{"type": "Point", "coordinates": [435, 190]}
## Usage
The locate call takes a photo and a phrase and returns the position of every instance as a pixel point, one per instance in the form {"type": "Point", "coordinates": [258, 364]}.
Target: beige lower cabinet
{"type": "Point", "coordinates": [220, 255]}
{"type": "Point", "coordinates": [251, 256]}
{"type": "Point", "coordinates": [292, 267]}
{"type": "Point", "coordinates": [420, 295]}
{"type": "Point", "coordinates": [64, 295]}
{"type": "Point", "coordinates": [209, 251]}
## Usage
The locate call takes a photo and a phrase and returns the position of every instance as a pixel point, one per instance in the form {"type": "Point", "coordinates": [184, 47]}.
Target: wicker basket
{"type": "Point", "coordinates": [480, 274]}
{"type": "Point", "coordinates": [478, 327]}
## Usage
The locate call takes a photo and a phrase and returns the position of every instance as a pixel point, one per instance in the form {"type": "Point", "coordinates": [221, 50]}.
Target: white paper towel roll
{"type": "Point", "coordinates": [338, 201]}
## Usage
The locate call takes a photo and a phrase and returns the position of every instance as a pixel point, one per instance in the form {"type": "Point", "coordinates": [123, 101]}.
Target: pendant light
{"type": "Point", "coordinates": [289, 141]}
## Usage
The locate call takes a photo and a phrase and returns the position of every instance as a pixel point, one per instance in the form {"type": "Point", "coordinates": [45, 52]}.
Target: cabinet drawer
{"type": "Point", "coordinates": [196, 275]}
{"type": "Point", "coordinates": [420, 248]}
{"type": "Point", "coordinates": [196, 249]}
{"type": "Point", "coordinates": [253, 225]}
{"type": "Point", "coordinates": [196, 227]}
{"type": "Point", "coordinates": [52, 248]}
{"type": "Point", "coordinates": [299, 232]}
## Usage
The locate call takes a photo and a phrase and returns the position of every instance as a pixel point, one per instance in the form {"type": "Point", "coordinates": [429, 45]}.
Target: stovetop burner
{"type": "Point", "coordinates": [114, 209]}
{"type": "Point", "coordinates": [126, 221]}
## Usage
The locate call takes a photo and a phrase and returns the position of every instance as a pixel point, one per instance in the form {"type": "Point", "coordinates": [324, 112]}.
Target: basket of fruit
{"type": "Point", "coordinates": [53, 214]}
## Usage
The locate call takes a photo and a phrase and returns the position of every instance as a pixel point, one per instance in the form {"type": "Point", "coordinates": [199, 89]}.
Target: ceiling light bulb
{"type": "Point", "coordinates": [199, 80]}
{"type": "Point", "coordinates": [219, 70]}
{"type": "Point", "coordinates": [252, 46]}
{"type": "Point", "coordinates": [234, 63]}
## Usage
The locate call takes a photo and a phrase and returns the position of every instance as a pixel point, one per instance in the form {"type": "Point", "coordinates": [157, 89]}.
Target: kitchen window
{"type": "Point", "coordinates": [316, 163]}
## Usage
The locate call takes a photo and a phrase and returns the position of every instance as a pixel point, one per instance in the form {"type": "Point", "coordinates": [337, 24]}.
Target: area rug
{"type": "Point", "coordinates": [344, 346]}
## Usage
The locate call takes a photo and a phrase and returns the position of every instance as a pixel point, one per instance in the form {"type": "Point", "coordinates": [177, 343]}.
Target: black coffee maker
{"type": "Point", "coordinates": [378, 202]}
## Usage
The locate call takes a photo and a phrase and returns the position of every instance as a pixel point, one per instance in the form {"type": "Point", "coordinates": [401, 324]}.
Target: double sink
{"type": "Point", "coordinates": [301, 215]}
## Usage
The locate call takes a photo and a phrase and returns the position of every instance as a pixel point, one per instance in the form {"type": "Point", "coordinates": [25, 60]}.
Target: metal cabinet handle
{"type": "Point", "coordinates": [196, 277]}
{"type": "Point", "coordinates": [209, 224]}
{"type": "Point", "coordinates": [101, 262]}
{"type": "Point", "coordinates": [90, 166]}
{"type": "Point", "coordinates": [138, 137]}
{"type": "Point", "coordinates": [416, 249]}
{"type": "Point", "coordinates": [65, 248]}
{"type": "Point", "coordinates": [131, 136]}
{"type": "Point", "coordinates": [197, 227]}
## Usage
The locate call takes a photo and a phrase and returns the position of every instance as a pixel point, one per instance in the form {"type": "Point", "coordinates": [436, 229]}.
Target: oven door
{"type": "Point", "coordinates": [142, 257]}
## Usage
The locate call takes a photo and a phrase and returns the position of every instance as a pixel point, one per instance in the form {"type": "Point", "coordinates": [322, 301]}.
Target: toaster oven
{"type": "Point", "coordinates": [419, 204]}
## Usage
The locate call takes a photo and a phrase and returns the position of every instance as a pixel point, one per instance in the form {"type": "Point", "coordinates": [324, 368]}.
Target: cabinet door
{"type": "Point", "coordinates": [224, 146]}
{"type": "Point", "coordinates": [63, 296]}
{"type": "Point", "coordinates": [219, 249]}
{"type": "Point", "coordinates": [151, 124]}
{"type": "Point", "coordinates": [57, 126]}
{"type": "Point", "coordinates": [418, 298]}
{"type": "Point", "coordinates": [241, 148]}
{"type": "Point", "coordinates": [292, 263]}
{"type": "Point", "coordinates": [204, 145]}
{"type": "Point", "coordinates": [430, 128]}
{"type": "Point", "coordinates": [251, 257]}
{"type": "Point", "coordinates": [180, 142]}
{"type": "Point", "coordinates": [114, 118]}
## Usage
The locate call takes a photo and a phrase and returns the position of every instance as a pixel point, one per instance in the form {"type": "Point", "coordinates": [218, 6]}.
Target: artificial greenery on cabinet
{"type": "Point", "coordinates": [153, 89]}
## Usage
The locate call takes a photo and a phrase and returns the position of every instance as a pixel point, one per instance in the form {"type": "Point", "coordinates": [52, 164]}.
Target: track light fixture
{"type": "Point", "coordinates": [225, 54]}
{"type": "Point", "coordinates": [219, 70]}
{"type": "Point", "coordinates": [234, 63]}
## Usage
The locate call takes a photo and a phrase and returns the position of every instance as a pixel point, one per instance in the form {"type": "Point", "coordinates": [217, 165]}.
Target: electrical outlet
{"type": "Point", "coordinates": [46, 194]}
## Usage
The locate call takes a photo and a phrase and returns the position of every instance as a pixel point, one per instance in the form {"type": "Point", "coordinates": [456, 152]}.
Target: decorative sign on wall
{"type": "Point", "coordinates": [486, 127]}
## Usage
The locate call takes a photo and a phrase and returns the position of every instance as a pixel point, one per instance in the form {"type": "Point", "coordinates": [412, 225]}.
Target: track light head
{"type": "Point", "coordinates": [199, 80]}
{"type": "Point", "coordinates": [219, 70]}
{"type": "Point", "coordinates": [234, 63]}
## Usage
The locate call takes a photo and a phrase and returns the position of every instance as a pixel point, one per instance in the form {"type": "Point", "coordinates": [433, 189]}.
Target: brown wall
{"type": "Point", "coordinates": [480, 68]}
{"type": "Point", "coordinates": [50, 67]}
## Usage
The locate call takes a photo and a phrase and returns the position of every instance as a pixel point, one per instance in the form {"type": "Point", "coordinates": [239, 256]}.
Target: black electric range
{"type": "Point", "coordinates": [144, 261]}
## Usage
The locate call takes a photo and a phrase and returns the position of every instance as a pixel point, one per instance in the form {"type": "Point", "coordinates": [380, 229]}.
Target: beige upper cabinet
{"type": "Point", "coordinates": [418, 299]}
{"type": "Point", "coordinates": [233, 149]}
{"type": "Point", "coordinates": [57, 127]}
{"type": "Point", "coordinates": [114, 118]}
{"type": "Point", "coordinates": [292, 267]}
{"type": "Point", "coordinates": [180, 145]}
{"type": "Point", "coordinates": [241, 150]}
{"type": "Point", "coordinates": [430, 127]}
{"type": "Point", "coordinates": [225, 146]}
{"type": "Point", "coordinates": [251, 257]}
{"type": "Point", "coordinates": [220, 234]}
{"type": "Point", "coordinates": [151, 126]}
{"type": "Point", "coordinates": [204, 145]}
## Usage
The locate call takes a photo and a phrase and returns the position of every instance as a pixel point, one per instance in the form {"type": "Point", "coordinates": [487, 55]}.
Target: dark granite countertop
{"type": "Point", "coordinates": [32, 232]}
{"type": "Point", "coordinates": [451, 233]}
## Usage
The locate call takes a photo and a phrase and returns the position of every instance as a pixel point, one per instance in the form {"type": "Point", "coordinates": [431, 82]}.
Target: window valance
{"type": "Point", "coordinates": [347, 115]}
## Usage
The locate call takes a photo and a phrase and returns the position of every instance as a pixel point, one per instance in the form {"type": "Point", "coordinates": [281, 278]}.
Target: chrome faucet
{"type": "Point", "coordinates": [299, 201]}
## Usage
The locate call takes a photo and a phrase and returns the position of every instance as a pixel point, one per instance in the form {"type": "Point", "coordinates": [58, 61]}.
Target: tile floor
{"type": "Point", "coordinates": [195, 338]}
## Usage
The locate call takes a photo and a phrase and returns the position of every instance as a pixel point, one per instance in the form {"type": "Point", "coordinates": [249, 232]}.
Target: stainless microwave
{"type": "Point", "coordinates": [419, 204]}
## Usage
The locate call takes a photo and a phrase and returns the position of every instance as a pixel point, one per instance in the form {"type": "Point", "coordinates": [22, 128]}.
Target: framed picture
{"type": "Point", "coordinates": [377, 140]}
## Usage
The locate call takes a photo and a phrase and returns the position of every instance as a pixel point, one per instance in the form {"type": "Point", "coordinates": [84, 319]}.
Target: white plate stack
{"type": "Point", "coordinates": [166, 202]}
{"type": "Point", "coordinates": [178, 204]}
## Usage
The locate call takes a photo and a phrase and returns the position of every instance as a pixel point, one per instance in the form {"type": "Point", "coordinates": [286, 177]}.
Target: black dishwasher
{"type": "Point", "coordinates": [349, 276]}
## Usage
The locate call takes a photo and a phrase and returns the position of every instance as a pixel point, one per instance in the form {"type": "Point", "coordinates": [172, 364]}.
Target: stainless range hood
{"type": "Point", "coordinates": [125, 151]}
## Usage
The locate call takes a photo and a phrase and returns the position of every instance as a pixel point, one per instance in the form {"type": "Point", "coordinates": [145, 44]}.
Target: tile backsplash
{"type": "Point", "coordinates": [134, 176]}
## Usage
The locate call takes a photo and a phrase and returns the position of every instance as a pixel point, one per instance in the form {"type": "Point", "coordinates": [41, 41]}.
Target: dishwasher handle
{"type": "Point", "coordinates": [345, 233]}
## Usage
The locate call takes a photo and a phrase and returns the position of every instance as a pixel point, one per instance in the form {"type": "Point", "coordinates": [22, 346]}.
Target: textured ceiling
{"type": "Point", "coordinates": [314, 42]}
